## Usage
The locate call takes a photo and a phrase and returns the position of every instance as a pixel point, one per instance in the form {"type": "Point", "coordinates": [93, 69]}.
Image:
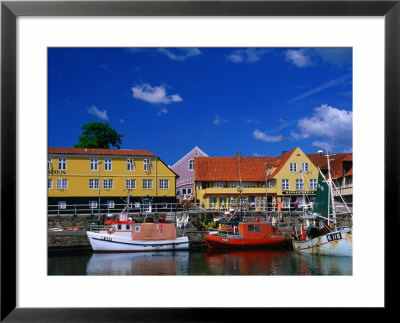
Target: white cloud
{"type": "Point", "coordinates": [328, 123]}
{"type": "Point", "coordinates": [154, 95]}
{"type": "Point", "coordinates": [98, 113]}
{"type": "Point", "coordinates": [122, 120]}
{"type": "Point", "coordinates": [187, 52]}
{"type": "Point", "coordinates": [218, 120]}
{"type": "Point", "coordinates": [298, 57]}
{"type": "Point", "coordinates": [326, 146]}
{"type": "Point", "coordinates": [248, 55]}
{"type": "Point", "coordinates": [162, 111]}
{"type": "Point", "coordinates": [264, 137]}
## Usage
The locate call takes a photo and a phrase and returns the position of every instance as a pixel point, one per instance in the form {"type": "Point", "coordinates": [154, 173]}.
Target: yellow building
{"type": "Point", "coordinates": [221, 181]}
{"type": "Point", "coordinates": [79, 180]}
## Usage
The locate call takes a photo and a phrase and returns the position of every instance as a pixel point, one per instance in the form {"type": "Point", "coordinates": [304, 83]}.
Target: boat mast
{"type": "Point", "coordinates": [304, 194]}
{"type": "Point", "coordinates": [331, 191]}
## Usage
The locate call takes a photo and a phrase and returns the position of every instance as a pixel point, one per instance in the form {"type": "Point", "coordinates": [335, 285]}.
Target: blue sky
{"type": "Point", "coordinates": [259, 101]}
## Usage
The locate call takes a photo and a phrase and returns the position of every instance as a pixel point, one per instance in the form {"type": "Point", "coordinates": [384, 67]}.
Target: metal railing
{"type": "Point", "coordinates": [145, 208]}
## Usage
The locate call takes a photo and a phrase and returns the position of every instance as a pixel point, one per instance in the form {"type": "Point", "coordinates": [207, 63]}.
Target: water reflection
{"type": "Point", "coordinates": [137, 263]}
{"type": "Point", "coordinates": [211, 262]}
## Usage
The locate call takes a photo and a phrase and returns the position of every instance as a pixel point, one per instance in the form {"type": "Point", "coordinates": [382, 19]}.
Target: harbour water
{"type": "Point", "coordinates": [199, 262]}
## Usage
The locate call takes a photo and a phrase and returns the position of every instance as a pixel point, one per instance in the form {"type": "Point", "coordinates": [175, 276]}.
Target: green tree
{"type": "Point", "coordinates": [98, 135]}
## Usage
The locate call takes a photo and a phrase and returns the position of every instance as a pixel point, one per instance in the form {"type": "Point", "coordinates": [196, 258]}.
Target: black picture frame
{"type": "Point", "coordinates": [10, 10]}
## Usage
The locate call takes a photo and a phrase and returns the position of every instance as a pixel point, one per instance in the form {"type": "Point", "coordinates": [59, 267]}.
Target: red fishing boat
{"type": "Point", "coordinates": [238, 234]}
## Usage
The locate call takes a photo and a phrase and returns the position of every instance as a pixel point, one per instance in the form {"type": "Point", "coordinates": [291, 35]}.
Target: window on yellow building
{"type": "Point", "coordinates": [219, 185]}
{"type": "Point", "coordinates": [233, 184]}
{"type": "Point", "coordinates": [147, 184]}
{"type": "Point", "coordinates": [246, 184]}
{"type": "Point", "coordinates": [130, 184]}
{"type": "Point", "coordinates": [49, 184]}
{"type": "Point", "coordinates": [292, 167]}
{"type": "Point", "coordinates": [93, 163]}
{"type": "Point", "coordinates": [62, 183]}
{"type": "Point", "coordinates": [285, 184]}
{"type": "Point", "coordinates": [130, 164]}
{"type": "Point", "coordinates": [147, 165]}
{"type": "Point", "coordinates": [49, 163]}
{"type": "Point", "coordinates": [108, 184]}
{"type": "Point", "coordinates": [299, 184]}
{"type": "Point", "coordinates": [304, 167]}
{"type": "Point", "coordinates": [107, 164]}
{"type": "Point", "coordinates": [93, 184]}
{"type": "Point", "coordinates": [313, 184]}
{"type": "Point", "coordinates": [164, 184]}
{"type": "Point", "coordinates": [62, 163]}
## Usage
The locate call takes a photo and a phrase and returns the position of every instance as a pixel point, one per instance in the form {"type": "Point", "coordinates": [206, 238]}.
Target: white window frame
{"type": "Point", "coordinates": [191, 165]}
{"type": "Point", "coordinates": [233, 184]}
{"type": "Point", "coordinates": [108, 183]}
{"type": "Point", "coordinates": [292, 167]}
{"type": "Point", "coordinates": [313, 184]}
{"type": "Point", "coordinates": [164, 184]}
{"type": "Point", "coordinates": [94, 183]}
{"type": "Point", "coordinates": [299, 184]}
{"type": "Point", "coordinates": [129, 182]}
{"type": "Point", "coordinates": [285, 184]}
{"type": "Point", "coordinates": [246, 184]}
{"type": "Point", "coordinates": [49, 163]}
{"type": "Point", "coordinates": [62, 163]}
{"type": "Point", "coordinates": [108, 164]}
{"type": "Point", "coordinates": [62, 205]}
{"type": "Point", "coordinates": [93, 204]}
{"type": "Point", "coordinates": [49, 183]}
{"type": "Point", "coordinates": [94, 162]}
{"type": "Point", "coordinates": [130, 164]}
{"type": "Point", "coordinates": [304, 167]}
{"type": "Point", "coordinates": [145, 184]}
{"type": "Point", "coordinates": [219, 185]}
{"type": "Point", "coordinates": [199, 185]}
{"type": "Point", "coordinates": [62, 183]}
{"type": "Point", "coordinates": [110, 204]}
{"type": "Point", "coordinates": [147, 165]}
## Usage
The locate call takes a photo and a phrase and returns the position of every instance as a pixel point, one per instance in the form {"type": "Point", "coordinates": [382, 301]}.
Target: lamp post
{"type": "Point", "coordinates": [98, 165]}
{"type": "Point", "coordinates": [267, 167]}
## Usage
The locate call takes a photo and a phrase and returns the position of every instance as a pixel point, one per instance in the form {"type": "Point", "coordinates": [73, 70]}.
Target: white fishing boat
{"type": "Point", "coordinates": [126, 235]}
{"type": "Point", "coordinates": [319, 233]}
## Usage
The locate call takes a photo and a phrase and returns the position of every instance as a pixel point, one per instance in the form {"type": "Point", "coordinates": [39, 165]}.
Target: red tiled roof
{"type": "Point", "coordinates": [252, 169]}
{"type": "Point", "coordinates": [336, 163]}
{"type": "Point", "coordinates": [349, 173]}
{"type": "Point", "coordinates": [95, 151]}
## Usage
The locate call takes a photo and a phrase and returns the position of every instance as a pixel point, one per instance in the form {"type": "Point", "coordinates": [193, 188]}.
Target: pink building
{"type": "Point", "coordinates": [185, 169]}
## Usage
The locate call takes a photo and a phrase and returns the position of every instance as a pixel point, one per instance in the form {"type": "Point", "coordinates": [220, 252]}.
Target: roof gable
{"type": "Point", "coordinates": [195, 152]}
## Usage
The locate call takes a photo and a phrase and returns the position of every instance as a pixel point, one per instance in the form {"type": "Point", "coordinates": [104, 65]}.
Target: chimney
{"type": "Point", "coordinates": [284, 152]}
{"type": "Point", "coordinates": [239, 155]}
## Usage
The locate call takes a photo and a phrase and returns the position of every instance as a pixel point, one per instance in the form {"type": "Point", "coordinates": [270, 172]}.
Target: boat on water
{"type": "Point", "coordinates": [236, 233]}
{"type": "Point", "coordinates": [125, 235]}
{"type": "Point", "coordinates": [319, 232]}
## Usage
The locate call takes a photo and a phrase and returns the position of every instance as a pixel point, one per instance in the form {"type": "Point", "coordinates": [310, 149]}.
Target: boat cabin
{"type": "Point", "coordinates": [154, 231]}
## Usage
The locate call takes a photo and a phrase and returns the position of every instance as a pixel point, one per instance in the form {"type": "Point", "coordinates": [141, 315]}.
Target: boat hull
{"type": "Point", "coordinates": [337, 243]}
{"type": "Point", "coordinates": [214, 241]}
{"type": "Point", "coordinates": [104, 242]}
